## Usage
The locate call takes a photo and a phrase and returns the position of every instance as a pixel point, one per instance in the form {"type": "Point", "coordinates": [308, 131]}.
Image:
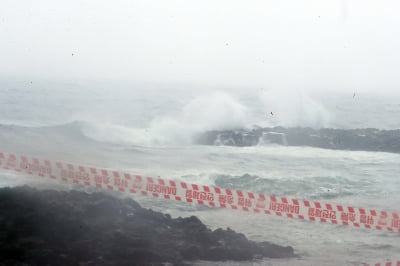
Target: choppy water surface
{"type": "Point", "coordinates": [150, 134]}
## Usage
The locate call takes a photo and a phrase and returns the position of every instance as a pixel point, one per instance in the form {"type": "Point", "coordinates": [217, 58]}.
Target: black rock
{"type": "Point", "coordinates": [368, 139]}
{"type": "Point", "coordinates": [48, 227]}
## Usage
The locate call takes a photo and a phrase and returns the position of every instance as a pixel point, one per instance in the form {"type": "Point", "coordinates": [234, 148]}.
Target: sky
{"type": "Point", "coordinates": [344, 45]}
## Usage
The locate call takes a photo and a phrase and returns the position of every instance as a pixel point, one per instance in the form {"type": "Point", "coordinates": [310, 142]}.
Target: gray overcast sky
{"type": "Point", "coordinates": [341, 44]}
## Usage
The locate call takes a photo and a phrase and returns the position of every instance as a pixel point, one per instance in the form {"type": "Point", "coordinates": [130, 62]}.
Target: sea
{"type": "Point", "coordinates": [151, 131]}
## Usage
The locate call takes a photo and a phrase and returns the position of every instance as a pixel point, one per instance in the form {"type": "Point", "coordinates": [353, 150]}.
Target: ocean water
{"type": "Point", "coordinates": [151, 132]}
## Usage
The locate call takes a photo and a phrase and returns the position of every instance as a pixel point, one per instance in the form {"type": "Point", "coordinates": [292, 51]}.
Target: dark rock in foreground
{"type": "Point", "coordinates": [75, 228]}
{"type": "Point", "coordinates": [368, 139]}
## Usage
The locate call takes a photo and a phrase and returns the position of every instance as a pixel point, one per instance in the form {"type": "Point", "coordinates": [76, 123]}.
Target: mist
{"type": "Point", "coordinates": [347, 45]}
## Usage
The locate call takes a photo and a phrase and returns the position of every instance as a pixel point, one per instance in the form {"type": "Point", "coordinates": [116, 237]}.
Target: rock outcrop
{"type": "Point", "coordinates": [368, 139]}
{"type": "Point", "coordinates": [51, 227]}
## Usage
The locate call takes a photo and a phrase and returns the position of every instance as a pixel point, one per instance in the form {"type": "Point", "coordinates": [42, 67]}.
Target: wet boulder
{"type": "Point", "coordinates": [42, 227]}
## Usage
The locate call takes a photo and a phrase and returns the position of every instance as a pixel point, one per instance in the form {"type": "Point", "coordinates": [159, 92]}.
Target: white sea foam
{"type": "Point", "coordinates": [213, 111]}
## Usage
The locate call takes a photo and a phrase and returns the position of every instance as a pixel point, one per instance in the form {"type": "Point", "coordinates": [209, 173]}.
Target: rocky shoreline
{"type": "Point", "coordinates": [368, 139]}
{"type": "Point", "coordinates": [49, 227]}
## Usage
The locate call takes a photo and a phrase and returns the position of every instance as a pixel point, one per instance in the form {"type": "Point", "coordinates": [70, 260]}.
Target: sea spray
{"type": "Point", "coordinates": [293, 108]}
{"type": "Point", "coordinates": [212, 111]}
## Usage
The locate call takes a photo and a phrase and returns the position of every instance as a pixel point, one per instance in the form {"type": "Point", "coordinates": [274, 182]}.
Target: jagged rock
{"type": "Point", "coordinates": [368, 139]}
{"type": "Point", "coordinates": [76, 228]}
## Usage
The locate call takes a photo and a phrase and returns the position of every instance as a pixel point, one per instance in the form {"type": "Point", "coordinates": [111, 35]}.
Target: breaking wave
{"type": "Point", "coordinates": [215, 111]}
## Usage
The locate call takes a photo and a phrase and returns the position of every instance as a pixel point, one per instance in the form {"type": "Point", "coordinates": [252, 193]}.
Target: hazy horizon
{"type": "Point", "coordinates": [347, 45]}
